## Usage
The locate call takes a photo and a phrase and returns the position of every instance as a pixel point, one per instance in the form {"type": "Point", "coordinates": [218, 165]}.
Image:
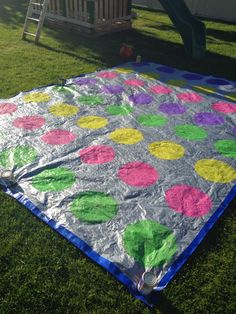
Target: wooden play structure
{"type": "Point", "coordinates": [91, 17]}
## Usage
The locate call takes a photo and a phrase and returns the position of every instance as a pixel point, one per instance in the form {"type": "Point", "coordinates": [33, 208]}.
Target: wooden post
{"type": "Point", "coordinates": [90, 11]}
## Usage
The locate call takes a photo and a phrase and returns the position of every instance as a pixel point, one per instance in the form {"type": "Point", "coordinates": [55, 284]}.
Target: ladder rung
{"type": "Point", "coordinates": [36, 4]}
{"type": "Point", "coordinates": [30, 34]}
{"type": "Point", "coordinates": [32, 19]}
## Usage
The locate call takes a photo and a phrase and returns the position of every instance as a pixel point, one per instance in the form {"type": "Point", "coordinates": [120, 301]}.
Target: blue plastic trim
{"type": "Point", "coordinates": [80, 244]}
{"type": "Point", "coordinates": [111, 267]}
{"type": "Point", "coordinates": [151, 299]}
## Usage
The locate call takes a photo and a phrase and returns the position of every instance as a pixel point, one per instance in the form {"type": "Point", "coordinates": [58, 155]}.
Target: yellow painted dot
{"type": "Point", "coordinates": [215, 170]}
{"type": "Point", "coordinates": [231, 97]}
{"type": "Point", "coordinates": [166, 150]}
{"type": "Point", "coordinates": [203, 89]}
{"type": "Point", "coordinates": [63, 110]}
{"type": "Point", "coordinates": [92, 122]}
{"type": "Point", "coordinates": [124, 70]}
{"type": "Point", "coordinates": [150, 75]}
{"type": "Point", "coordinates": [36, 97]}
{"type": "Point", "coordinates": [126, 136]}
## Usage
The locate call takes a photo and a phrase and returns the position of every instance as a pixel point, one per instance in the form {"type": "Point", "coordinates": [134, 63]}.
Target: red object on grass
{"type": "Point", "coordinates": [126, 51]}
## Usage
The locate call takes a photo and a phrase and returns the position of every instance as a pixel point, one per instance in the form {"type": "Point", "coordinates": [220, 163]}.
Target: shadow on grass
{"type": "Point", "coordinates": [12, 12]}
{"type": "Point", "coordinates": [146, 43]}
{"type": "Point", "coordinates": [153, 49]}
{"type": "Point", "coordinates": [222, 35]}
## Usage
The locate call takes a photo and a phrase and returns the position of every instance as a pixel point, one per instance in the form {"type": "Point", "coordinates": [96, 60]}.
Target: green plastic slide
{"type": "Point", "coordinates": [192, 30]}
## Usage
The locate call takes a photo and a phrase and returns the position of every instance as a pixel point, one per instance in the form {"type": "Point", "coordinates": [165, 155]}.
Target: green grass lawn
{"type": "Point", "coordinates": [40, 272]}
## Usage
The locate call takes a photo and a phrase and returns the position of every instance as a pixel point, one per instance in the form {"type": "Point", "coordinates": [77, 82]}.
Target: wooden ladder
{"type": "Point", "coordinates": [40, 20]}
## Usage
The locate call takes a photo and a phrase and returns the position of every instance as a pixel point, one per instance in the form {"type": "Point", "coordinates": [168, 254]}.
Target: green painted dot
{"type": "Point", "coordinates": [56, 179]}
{"type": "Point", "coordinates": [149, 243]}
{"type": "Point", "coordinates": [63, 90]}
{"type": "Point", "coordinates": [190, 132]}
{"type": "Point", "coordinates": [94, 207]}
{"type": "Point", "coordinates": [179, 83]}
{"type": "Point", "coordinates": [226, 147]}
{"type": "Point", "coordinates": [122, 110]}
{"type": "Point", "coordinates": [17, 156]}
{"type": "Point", "coordinates": [152, 120]}
{"type": "Point", "coordinates": [150, 75]}
{"type": "Point", "coordinates": [91, 100]}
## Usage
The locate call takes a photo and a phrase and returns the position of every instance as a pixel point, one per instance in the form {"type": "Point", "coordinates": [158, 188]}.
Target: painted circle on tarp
{"type": "Point", "coordinates": [208, 118]}
{"type": "Point", "coordinates": [58, 137]}
{"type": "Point", "coordinates": [215, 170]}
{"type": "Point", "coordinates": [150, 243]}
{"type": "Point", "coordinates": [224, 107]}
{"type": "Point", "coordinates": [190, 97]}
{"type": "Point", "coordinates": [85, 81]}
{"type": "Point", "coordinates": [94, 207]}
{"type": "Point", "coordinates": [122, 110]}
{"type": "Point", "coordinates": [91, 100]}
{"type": "Point", "coordinates": [126, 136]}
{"type": "Point", "coordinates": [141, 99]}
{"type": "Point", "coordinates": [63, 110]}
{"type": "Point", "coordinates": [166, 69]}
{"type": "Point", "coordinates": [124, 70]}
{"type": "Point", "coordinates": [113, 89]}
{"type": "Point", "coordinates": [204, 89]}
{"type": "Point", "coordinates": [226, 147]}
{"type": "Point", "coordinates": [107, 75]}
{"type": "Point", "coordinates": [159, 89]}
{"type": "Point", "coordinates": [179, 83]}
{"type": "Point", "coordinates": [54, 179]}
{"type": "Point", "coordinates": [216, 81]}
{"type": "Point", "coordinates": [63, 90]}
{"type": "Point", "coordinates": [7, 108]}
{"type": "Point", "coordinates": [152, 120]}
{"type": "Point", "coordinates": [138, 174]}
{"type": "Point", "coordinates": [97, 154]}
{"type": "Point", "coordinates": [188, 200]}
{"type": "Point", "coordinates": [29, 122]}
{"type": "Point", "coordinates": [171, 108]}
{"type": "Point", "coordinates": [37, 97]}
{"type": "Point", "coordinates": [150, 75]}
{"type": "Point", "coordinates": [17, 156]}
{"type": "Point", "coordinates": [192, 76]}
{"type": "Point", "coordinates": [190, 132]}
{"type": "Point", "coordinates": [92, 122]}
{"type": "Point", "coordinates": [134, 82]}
{"type": "Point", "coordinates": [166, 150]}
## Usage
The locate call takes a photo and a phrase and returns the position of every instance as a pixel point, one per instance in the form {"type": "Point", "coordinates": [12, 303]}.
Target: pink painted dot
{"type": "Point", "coordinates": [29, 122]}
{"type": "Point", "coordinates": [158, 89]}
{"type": "Point", "coordinates": [189, 201]}
{"type": "Point", "coordinates": [137, 83]}
{"type": "Point", "coordinates": [98, 154]}
{"type": "Point", "coordinates": [58, 137]}
{"type": "Point", "coordinates": [6, 108]}
{"type": "Point", "coordinates": [138, 174]}
{"type": "Point", "coordinates": [224, 107]}
{"type": "Point", "coordinates": [107, 75]}
{"type": "Point", "coordinates": [190, 97]}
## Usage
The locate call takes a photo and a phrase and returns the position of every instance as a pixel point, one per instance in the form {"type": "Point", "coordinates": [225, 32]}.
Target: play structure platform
{"type": "Point", "coordinates": [97, 17]}
{"type": "Point", "coordinates": [90, 17]}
